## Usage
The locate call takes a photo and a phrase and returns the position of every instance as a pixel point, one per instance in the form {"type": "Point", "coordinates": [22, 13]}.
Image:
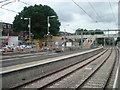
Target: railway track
{"type": "Point", "coordinates": [94, 72]}
{"type": "Point", "coordinates": [97, 77]}
{"type": "Point", "coordinates": [81, 76]}
{"type": "Point", "coordinates": [19, 75]}
{"type": "Point", "coordinates": [100, 77]}
{"type": "Point", "coordinates": [56, 76]}
{"type": "Point", "coordinates": [114, 73]}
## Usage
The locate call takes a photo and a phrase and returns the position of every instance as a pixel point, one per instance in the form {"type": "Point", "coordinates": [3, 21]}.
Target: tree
{"type": "Point", "coordinates": [90, 32]}
{"type": "Point", "coordinates": [38, 15]}
{"type": "Point", "coordinates": [97, 31]}
{"type": "Point", "coordinates": [79, 31]}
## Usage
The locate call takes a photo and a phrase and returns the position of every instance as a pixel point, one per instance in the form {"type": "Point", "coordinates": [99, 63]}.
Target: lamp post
{"type": "Point", "coordinates": [48, 17]}
{"type": "Point", "coordinates": [29, 26]}
{"type": "Point", "coordinates": [48, 31]}
{"type": "Point", "coordinates": [81, 39]}
{"type": "Point", "coordinates": [1, 27]}
{"type": "Point", "coordinates": [65, 35]}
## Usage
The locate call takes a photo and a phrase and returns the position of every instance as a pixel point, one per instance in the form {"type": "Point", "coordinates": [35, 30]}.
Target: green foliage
{"type": "Point", "coordinates": [38, 15]}
{"type": "Point", "coordinates": [100, 41]}
{"type": "Point", "coordinates": [88, 32]}
{"type": "Point", "coordinates": [97, 31]}
{"type": "Point", "coordinates": [107, 41]}
{"type": "Point", "coordinates": [118, 39]}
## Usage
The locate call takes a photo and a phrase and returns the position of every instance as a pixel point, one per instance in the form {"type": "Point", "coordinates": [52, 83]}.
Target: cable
{"type": "Point", "coordinates": [9, 10]}
{"type": "Point", "coordinates": [82, 9]}
{"type": "Point", "coordinates": [12, 2]}
{"type": "Point", "coordinates": [95, 12]}
{"type": "Point", "coordinates": [86, 12]}
{"type": "Point", "coordinates": [7, 3]}
{"type": "Point", "coordinates": [112, 11]}
{"type": "Point", "coordinates": [15, 1]}
{"type": "Point", "coordinates": [4, 1]}
{"type": "Point", "coordinates": [24, 2]}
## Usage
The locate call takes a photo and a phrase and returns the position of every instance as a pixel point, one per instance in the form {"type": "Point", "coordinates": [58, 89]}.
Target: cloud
{"type": "Point", "coordinates": [69, 13]}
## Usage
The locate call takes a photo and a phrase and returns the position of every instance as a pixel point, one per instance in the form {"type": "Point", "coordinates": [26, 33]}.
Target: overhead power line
{"type": "Point", "coordinates": [14, 1]}
{"type": "Point", "coordinates": [9, 10]}
{"type": "Point", "coordinates": [86, 12]}
{"type": "Point", "coordinates": [112, 12]}
{"type": "Point", "coordinates": [8, 3]}
{"type": "Point", "coordinates": [82, 9]}
{"type": "Point", "coordinates": [4, 1]}
{"type": "Point", "coordinates": [96, 12]}
{"type": "Point", "coordinates": [24, 2]}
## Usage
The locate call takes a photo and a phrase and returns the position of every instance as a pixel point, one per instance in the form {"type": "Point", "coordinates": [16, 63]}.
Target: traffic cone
{"type": "Point", "coordinates": [6, 50]}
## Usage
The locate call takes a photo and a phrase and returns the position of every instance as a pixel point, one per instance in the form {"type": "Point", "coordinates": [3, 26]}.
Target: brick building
{"type": "Point", "coordinates": [6, 28]}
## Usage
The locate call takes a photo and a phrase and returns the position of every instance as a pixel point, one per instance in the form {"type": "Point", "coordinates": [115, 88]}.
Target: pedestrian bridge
{"type": "Point", "coordinates": [96, 36]}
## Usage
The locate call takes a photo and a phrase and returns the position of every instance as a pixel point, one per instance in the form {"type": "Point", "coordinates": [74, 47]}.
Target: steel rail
{"type": "Point", "coordinates": [47, 75]}
{"type": "Point", "coordinates": [110, 73]}
{"type": "Point", "coordinates": [95, 71]}
{"type": "Point", "coordinates": [45, 86]}
{"type": "Point", "coordinates": [115, 84]}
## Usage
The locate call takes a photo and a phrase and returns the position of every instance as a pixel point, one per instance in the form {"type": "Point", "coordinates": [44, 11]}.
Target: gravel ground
{"type": "Point", "coordinates": [98, 80]}
{"type": "Point", "coordinates": [112, 79]}
{"type": "Point", "coordinates": [55, 76]}
{"type": "Point", "coordinates": [75, 79]}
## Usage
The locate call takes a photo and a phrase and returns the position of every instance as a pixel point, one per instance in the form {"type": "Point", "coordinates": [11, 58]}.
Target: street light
{"type": "Point", "coordinates": [81, 39]}
{"type": "Point", "coordinates": [1, 27]}
{"type": "Point", "coordinates": [29, 26]}
{"type": "Point", "coordinates": [48, 17]}
{"type": "Point", "coordinates": [48, 31]}
{"type": "Point", "coordinates": [65, 35]}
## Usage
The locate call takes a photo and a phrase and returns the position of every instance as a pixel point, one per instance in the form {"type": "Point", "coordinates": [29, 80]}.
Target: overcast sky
{"type": "Point", "coordinates": [72, 17]}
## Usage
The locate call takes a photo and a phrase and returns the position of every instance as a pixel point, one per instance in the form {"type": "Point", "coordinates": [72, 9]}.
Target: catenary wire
{"type": "Point", "coordinates": [8, 3]}
{"type": "Point", "coordinates": [4, 1]}
{"type": "Point", "coordinates": [85, 12]}
{"type": "Point", "coordinates": [24, 2]}
{"type": "Point", "coordinates": [112, 11]}
{"type": "Point", "coordinates": [96, 13]}
{"type": "Point", "coordinates": [9, 10]}
{"type": "Point", "coordinates": [12, 2]}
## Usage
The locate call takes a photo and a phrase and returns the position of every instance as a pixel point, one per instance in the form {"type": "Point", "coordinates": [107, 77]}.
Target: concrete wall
{"type": "Point", "coordinates": [13, 40]}
{"type": "Point", "coordinates": [18, 77]}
